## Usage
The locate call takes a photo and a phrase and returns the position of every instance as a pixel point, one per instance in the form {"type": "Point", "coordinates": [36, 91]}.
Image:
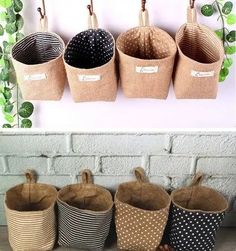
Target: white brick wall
{"type": "Point", "coordinates": [170, 159]}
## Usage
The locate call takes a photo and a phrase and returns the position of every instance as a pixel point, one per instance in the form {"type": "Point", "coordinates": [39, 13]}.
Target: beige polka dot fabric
{"type": "Point", "coordinates": [141, 214]}
{"type": "Point", "coordinates": [146, 60]}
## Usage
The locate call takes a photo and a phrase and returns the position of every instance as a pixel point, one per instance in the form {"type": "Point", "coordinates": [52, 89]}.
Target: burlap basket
{"type": "Point", "coordinates": [196, 215]}
{"type": "Point", "coordinates": [90, 64]}
{"type": "Point", "coordinates": [141, 214]}
{"type": "Point", "coordinates": [38, 62]}
{"type": "Point", "coordinates": [30, 215]}
{"type": "Point", "coordinates": [146, 60]}
{"type": "Point", "coordinates": [85, 213]}
{"type": "Point", "coordinates": [199, 61]}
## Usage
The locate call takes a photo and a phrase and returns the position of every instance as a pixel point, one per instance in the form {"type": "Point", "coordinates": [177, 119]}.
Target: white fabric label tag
{"type": "Point", "coordinates": [89, 78]}
{"type": "Point", "coordinates": [202, 74]}
{"type": "Point", "coordinates": [147, 69]}
{"type": "Point", "coordinates": [35, 77]}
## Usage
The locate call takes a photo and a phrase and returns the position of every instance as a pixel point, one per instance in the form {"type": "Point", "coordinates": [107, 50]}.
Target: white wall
{"type": "Point", "coordinates": [67, 18]}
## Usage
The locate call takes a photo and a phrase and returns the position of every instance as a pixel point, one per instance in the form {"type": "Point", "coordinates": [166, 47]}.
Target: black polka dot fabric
{"type": "Point", "coordinates": [193, 231]}
{"type": "Point", "coordinates": [89, 49]}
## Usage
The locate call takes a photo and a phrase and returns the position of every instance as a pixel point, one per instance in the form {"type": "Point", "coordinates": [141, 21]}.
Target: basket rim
{"type": "Point", "coordinates": [199, 210]}
{"type": "Point", "coordinates": [45, 63]}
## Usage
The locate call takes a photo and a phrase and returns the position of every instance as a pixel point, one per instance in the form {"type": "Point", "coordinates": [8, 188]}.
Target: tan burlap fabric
{"type": "Point", "coordinates": [141, 214]}
{"type": "Point", "coordinates": [30, 215]}
{"type": "Point", "coordinates": [200, 56]}
{"type": "Point", "coordinates": [146, 60]}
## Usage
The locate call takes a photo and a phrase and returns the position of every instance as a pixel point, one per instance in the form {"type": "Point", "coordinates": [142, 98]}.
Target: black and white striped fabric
{"type": "Point", "coordinates": [38, 48]}
{"type": "Point", "coordinates": [83, 229]}
{"type": "Point", "coordinates": [89, 49]}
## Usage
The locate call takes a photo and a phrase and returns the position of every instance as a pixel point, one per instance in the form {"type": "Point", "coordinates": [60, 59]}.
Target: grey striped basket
{"type": "Point", "coordinates": [30, 215]}
{"type": "Point", "coordinates": [84, 214]}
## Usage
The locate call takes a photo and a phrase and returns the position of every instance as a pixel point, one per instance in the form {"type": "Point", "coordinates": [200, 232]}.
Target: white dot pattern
{"type": "Point", "coordinates": [89, 49]}
{"type": "Point", "coordinates": [193, 231]}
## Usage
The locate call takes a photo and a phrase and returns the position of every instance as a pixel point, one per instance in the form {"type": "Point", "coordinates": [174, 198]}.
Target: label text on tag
{"type": "Point", "coordinates": [202, 74]}
{"type": "Point", "coordinates": [147, 69]}
{"type": "Point", "coordinates": [89, 78]}
{"type": "Point", "coordinates": [35, 77]}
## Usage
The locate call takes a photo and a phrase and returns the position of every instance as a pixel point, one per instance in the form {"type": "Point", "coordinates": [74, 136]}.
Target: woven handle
{"type": "Point", "coordinates": [30, 176]}
{"type": "Point", "coordinates": [144, 18]}
{"type": "Point", "coordinates": [87, 177]}
{"type": "Point", "coordinates": [197, 179]}
{"type": "Point", "coordinates": [92, 21]}
{"type": "Point", "coordinates": [140, 175]}
{"type": "Point", "coordinates": [44, 24]}
{"type": "Point", "coordinates": [191, 15]}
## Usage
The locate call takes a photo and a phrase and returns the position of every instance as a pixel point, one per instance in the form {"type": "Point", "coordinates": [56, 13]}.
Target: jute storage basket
{"type": "Point", "coordinates": [199, 61]}
{"type": "Point", "coordinates": [196, 215]}
{"type": "Point", "coordinates": [30, 215]}
{"type": "Point", "coordinates": [38, 62]}
{"type": "Point", "coordinates": [146, 60]}
{"type": "Point", "coordinates": [85, 213]}
{"type": "Point", "coordinates": [90, 64]}
{"type": "Point", "coordinates": [141, 214]}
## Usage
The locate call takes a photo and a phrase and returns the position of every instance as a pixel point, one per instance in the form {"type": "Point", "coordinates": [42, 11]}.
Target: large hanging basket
{"type": "Point", "coordinates": [141, 214]}
{"type": "Point", "coordinates": [146, 60]}
{"type": "Point", "coordinates": [30, 215]}
{"type": "Point", "coordinates": [85, 213]}
{"type": "Point", "coordinates": [199, 61]}
{"type": "Point", "coordinates": [196, 215]}
{"type": "Point", "coordinates": [90, 64]}
{"type": "Point", "coordinates": [38, 62]}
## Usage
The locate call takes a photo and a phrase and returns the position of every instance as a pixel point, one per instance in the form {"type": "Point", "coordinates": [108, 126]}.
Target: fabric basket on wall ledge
{"type": "Point", "coordinates": [84, 214]}
{"type": "Point", "coordinates": [38, 62]}
{"type": "Point", "coordinates": [196, 215]}
{"type": "Point", "coordinates": [200, 58]}
{"type": "Point", "coordinates": [146, 60]}
{"type": "Point", "coordinates": [90, 64]}
{"type": "Point", "coordinates": [141, 214]}
{"type": "Point", "coordinates": [30, 215]}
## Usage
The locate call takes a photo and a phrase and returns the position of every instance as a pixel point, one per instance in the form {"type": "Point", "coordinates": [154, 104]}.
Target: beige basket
{"type": "Point", "coordinates": [30, 215]}
{"type": "Point", "coordinates": [199, 62]}
{"type": "Point", "coordinates": [146, 60]}
{"type": "Point", "coordinates": [90, 64]}
{"type": "Point", "coordinates": [141, 214]}
{"type": "Point", "coordinates": [37, 59]}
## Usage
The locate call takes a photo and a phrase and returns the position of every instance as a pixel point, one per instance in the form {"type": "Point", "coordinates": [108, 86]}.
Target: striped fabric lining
{"type": "Point", "coordinates": [82, 229]}
{"type": "Point", "coordinates": [38, 48]}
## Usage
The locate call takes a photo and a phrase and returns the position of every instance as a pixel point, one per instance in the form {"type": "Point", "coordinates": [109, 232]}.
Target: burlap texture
{"type": "Point", "coordinates": [30, 215]}
{"type": "Point", "coordinates": [141, 214]}
{"type": "Point", "coordinates": [51, 87]}
{"type": "Point", "coordinates": [200, 52]}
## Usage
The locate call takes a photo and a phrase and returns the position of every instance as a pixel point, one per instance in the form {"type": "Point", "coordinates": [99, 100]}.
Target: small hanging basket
{"type": "Point", "coordinates": [146, 60]}
{"type": "Point", "coordinates": [196, 215]}
{"type": "Point", "coordinates": [30, 215]}
{"type": "Point", "coordinates": [141, 214]}
{"type": "Point", "coordinates": [90, 64]}
{"type": "Point", "coordinates": [199, 62]}
{"type": "Point", "coordinates": [38, 62]}
{"type": "Point", "coordinates": [85, 213]}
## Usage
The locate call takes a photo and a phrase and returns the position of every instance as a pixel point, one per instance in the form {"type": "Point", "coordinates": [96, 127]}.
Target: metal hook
{"type": "Point", "coordinates": [143, 3]}
{"type": "Point", "coordinates": [42, 13]}
{"type": "Point", "coordinates": [90, 8]}
{"type": "Point", "coordinates": [192, 3]}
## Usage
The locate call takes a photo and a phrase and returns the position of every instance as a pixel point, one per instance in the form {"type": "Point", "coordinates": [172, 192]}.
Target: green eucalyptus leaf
{"type": "Point", "coordinates": [231, 37]}
{"type": "Point", "coordinates": [228, 62]}
{"type": "Point", "coordinates": [26, 110]}
{"type": "Point", "coordinates": [1, 30]}
{"type": "Point", "coordinates": [231, 19]}
{"type": "Point", "coordinates": [8, 107]}
{"type": "Point", "coordinates": [11, 39]}
{"type": "Point", "coordinates": [207, 10]}
{"type": "Point", "coordinates": [3, 16]}
{"type": "Point", "coordinates": [19, 36]}
{"type": "Point", "coordinates": [7, 64]}
{"type": "Point", "coordinates": [18, 5]}
{"type": "Point", "coordinates": [26, 123]}
{"type": "Point", "coordinates": [11, 28]}
{"type": "Point", "coordinates": [6, 3]}
{"type": "Point", "coordinates": [4, 75]}
{"type": "Point", "coordinates": [6, 47]}
{"type": "Point", "coordinates": [19, 22]}
{"type": "Point", "coordinates": [6, 126]}
{"type": "Point", "coordinates": [230, 50]}
{"type": "Point", "coordinates": [224, 72]}
{"type": "Point", "coordinates": [9, 118]}
{"type": "Point", "coordinates": [220, 33]}
{"type": "Point", "coordinates": [7, 93]}
{"type": "Point", "coordinates": [1, 52]}
{"type": "Point", "coordinates": [227, 8]}
{"type": "Point", "coordinates": [11, 16]}
{"type": "Point", "coordinates": [2, 100]}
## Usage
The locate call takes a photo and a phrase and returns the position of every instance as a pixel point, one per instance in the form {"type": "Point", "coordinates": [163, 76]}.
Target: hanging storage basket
{"type": "Point", "coordinates": [38, 62]}
{"type": "Point", "coordinates": [90, 64]}
{"type": "Point", "coordinates": [85, 213]}
{"type": "Point", "coordinates": [146, 60]}
{"type": "Point", "coordinates": [196, 215]}
{"type": "Point", "coordinates": [30, 215]}
{"type": "Point", "coordinates": [199, 61]}
{"type": "Point", "coordinates": [141, 214]}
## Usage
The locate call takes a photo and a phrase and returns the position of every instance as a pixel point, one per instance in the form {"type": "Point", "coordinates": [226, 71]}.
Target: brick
{"type": "Point", "coordinates": [3, 220]}
{"type": "Point", "coordinates": [57, 181]}
{"type": "Point", "coordinates": [8, 181]}
{"type": "Point", "coordinates": [32, 144]}
{"type": "Point", "coordinates": [2, 199]}
{"type": "Point", "coordinates": [217, 166]}
{"type": "Point", "coordinates": [2, 164]}
{"type": "Point", "coordinates": [73, 164]}
{"type": "Point", "coordinates": [161, 181]}
{"type": "Point", "coordinates": [169, 165]}
{"type": "Point", "coordinates": [18, 165]}
{"type": "Point", "coordinates": [120, 165]}
{"type": "Point", "coordinates": [204, 144]}
{"type": "Point", "coordinates": [119, 144]}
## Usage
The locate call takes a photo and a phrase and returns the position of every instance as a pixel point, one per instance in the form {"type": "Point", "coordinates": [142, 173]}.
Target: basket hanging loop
{"type": "Point", "coordinates": [43, 17]}
{"type": "Point", "coordinates": [144, 15]}
{"type": "Point", "coordinates": [197, 180]}
{"type": "Point", "coordinates": [92, 19]}
{"type": "Point", "coordinates": [192, 14]}
{"type": "Point", "coordinates": [87, 177]}
{"type": "Point", "coordinates": [30, 176]}
{"type": "Point", "coordinates": [140, 174]}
